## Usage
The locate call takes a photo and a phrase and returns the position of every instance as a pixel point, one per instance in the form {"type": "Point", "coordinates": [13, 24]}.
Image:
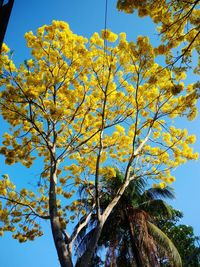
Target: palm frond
{"type": "Point", "coordinates": [83, 240]}
{"type": "Point", "coordinates": [166, 243]}
{"type": "Point", "coordinates": [138, 186]}
{"type": "Point", "coordinates": [157, 208]}
{"type": "Point", "coordinates": [155, 193]}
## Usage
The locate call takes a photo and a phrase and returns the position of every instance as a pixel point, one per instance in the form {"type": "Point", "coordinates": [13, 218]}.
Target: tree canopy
{"type": "Point", "coordinates": [81, 106]}
{"type": "Point", "coordinates": [179, 25]}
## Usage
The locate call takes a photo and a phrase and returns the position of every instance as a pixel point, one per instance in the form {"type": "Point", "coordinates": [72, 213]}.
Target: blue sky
{"type": "Point", "coordinates": [84, 18]}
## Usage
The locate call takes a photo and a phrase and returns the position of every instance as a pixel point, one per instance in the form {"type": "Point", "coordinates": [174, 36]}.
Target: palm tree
{"type": "Point", "coordinates": [130, 235]}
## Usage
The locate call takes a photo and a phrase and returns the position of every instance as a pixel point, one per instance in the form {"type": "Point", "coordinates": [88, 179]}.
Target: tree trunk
{"type": "Point", "coordinates": [136, 251]}
{"type": "Point", "coordinates": [64, 254]}
{"type": "Point", "coordinates": [151, 259]}
{"type": "Point", "coordinates": [85, 259]}
{"type": "Point", "coordinates": [61, 248]}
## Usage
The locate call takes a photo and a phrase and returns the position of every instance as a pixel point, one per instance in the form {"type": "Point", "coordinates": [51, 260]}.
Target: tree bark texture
{"type": "Point", "coordinates": [64, 255]}
{"type": "Point", "coordinates": [136, 252]}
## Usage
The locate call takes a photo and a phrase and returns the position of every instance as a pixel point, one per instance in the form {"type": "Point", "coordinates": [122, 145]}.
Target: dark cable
{"type": "Point", "coordinates": [105, 25]}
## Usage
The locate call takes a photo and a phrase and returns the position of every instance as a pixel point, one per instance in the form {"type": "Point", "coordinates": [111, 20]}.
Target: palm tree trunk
{"type": "Point", "coordinates": [136, 251]}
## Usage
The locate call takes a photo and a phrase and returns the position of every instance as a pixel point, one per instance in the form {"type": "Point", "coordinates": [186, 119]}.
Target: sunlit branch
{"type": "Point", "coordinates": [46, 217]}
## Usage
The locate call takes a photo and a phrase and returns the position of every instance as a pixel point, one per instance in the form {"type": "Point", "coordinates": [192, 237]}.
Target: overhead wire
{"type": "Point", "coordinates": [105, 23]}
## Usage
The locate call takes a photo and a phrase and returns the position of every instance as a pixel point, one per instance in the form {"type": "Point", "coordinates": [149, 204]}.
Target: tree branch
{"type": "Point", "coordinates": [45, 217]}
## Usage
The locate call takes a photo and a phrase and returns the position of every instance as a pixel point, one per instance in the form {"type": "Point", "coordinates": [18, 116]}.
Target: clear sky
{"type": "Point", "coordinates": [84, 18]}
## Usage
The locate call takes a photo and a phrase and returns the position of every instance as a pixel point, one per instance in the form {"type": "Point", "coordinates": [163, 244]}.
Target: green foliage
{"type": "Point", "coordinates": [183, 238]}
{"type": "Point", "coordinates": [129, 235]}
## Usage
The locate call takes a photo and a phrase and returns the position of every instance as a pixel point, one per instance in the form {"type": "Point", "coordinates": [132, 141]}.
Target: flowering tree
{"type": "Point", "coordinates": [84, 107]}
{"type": "Point", "coordinates": [178, 25]}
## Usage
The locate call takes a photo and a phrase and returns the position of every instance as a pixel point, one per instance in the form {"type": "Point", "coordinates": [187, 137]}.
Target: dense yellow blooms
{"type": "Point", "coordinates": [178, 24]}
{"type": "Point", "coordinates": [88, 107]}
{"type": "Point", "coordinates": [13, 213]}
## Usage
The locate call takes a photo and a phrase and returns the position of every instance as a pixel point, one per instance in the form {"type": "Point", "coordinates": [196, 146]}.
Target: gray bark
{"type": "Point", "coordinates": [61, 248]}
{"type": "Point", "coordinates": [64, 254]}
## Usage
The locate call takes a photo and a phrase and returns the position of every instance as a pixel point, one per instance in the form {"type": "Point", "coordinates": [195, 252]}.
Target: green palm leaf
{"type": "Point", "coordinates": [166, 243]}
{"type": "Point", "coordinates": [153, 193]}
{"type": "Point", "coordinates": [156, 207]}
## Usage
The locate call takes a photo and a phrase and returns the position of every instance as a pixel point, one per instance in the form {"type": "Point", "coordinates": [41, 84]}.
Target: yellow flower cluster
{"type": "Point", "coordinates": [108, 35]}
{"type": "Point", "coordinates": [173, 27]}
